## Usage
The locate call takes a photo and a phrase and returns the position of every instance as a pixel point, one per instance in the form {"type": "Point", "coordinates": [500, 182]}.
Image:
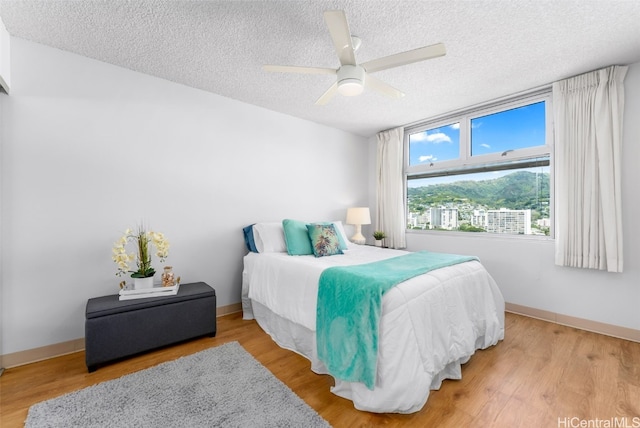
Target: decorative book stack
{"type": "Point", "coordinates": [128, 293]}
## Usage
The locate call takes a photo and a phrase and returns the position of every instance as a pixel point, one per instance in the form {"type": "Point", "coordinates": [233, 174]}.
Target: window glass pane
{"type": "Point", "coordinates": [514, 201]}
{"type": "Point", "coordinates": [435, 145]}
{"type": "Point", "coordinates": [507, 130]}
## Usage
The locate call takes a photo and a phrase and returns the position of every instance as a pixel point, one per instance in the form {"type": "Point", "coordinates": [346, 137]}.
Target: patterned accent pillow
{"type": "Point", "coordinates": [324, 240]}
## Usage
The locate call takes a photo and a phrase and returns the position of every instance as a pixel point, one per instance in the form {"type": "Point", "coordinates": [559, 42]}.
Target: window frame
{"type": "Point", "coordinates": [467, 163]}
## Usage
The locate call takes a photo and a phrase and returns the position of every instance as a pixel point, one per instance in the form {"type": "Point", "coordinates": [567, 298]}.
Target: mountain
{"type": "Point", "coordinates": [519, 190]}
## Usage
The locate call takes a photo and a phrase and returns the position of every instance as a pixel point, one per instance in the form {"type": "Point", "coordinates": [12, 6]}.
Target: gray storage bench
{"type": "Point", "coordinates": [116, 329]}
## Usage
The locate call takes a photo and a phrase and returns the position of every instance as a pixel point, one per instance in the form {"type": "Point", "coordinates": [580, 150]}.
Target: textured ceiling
{"type": "Point", "coordinates": [494, 48]}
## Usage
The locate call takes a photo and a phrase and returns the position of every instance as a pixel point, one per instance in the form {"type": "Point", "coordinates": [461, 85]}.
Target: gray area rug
{"type": "Point", "coordinates": [219, 387]}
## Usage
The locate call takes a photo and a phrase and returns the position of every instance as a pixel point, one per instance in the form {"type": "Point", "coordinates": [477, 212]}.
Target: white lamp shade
{"type": "Point", "coordinates": [358, 215]}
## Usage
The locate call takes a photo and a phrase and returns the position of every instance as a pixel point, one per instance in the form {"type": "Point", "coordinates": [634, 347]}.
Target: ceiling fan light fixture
{"type": "Point", "coordinates": [350, 87]}
{"type": "Point", "coordinates": [351, 80]}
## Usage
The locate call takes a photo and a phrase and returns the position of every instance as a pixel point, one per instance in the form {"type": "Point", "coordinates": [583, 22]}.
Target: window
{"type": "Point", "coordinates": [435, 144]}
{"type": "Point", "coordinates": [512, 129]}
{"type": "Point", "coordinates": [485, 170]}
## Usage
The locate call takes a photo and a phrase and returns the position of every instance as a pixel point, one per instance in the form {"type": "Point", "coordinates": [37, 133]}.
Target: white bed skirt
{"type": "Point", "coordinates": [407, 388]}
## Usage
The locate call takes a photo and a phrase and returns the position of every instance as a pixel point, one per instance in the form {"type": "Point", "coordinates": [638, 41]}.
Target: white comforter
{"type": "Point", "coordinates": [430, 324]}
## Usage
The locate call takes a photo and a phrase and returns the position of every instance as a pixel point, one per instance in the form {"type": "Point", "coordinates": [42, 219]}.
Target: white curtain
{"type": "Point", "coordinates": [588, 111]}
{"type": "Point", "coordinates": [390, 216]}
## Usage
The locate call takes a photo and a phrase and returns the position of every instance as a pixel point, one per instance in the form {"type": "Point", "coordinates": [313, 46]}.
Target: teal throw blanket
{"type": "Point", "coordinates": [349, 307]}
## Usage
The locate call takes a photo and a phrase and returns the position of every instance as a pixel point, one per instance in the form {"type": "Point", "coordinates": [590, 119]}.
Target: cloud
{"type": "Point", "coordinates": [455, 126]}
{"type": "Point", "coordinates": [416, 138]}
{"type": "Point", "coordinates": [427, 158]}
{"type": "Point", "coordinates": [485, 145]}
{"type": "Point", "coordinates": [438, 137]}
{"type": "Point", "coordinates": [475, 125]}
{"type": "Point", "coordinates": [435, 138]}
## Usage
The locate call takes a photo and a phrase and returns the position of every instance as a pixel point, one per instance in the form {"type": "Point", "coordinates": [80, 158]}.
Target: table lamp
{"type": "Point", "coordinates": [358, 216]}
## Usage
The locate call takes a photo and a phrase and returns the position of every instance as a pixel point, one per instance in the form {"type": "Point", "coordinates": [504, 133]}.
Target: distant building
{"type": "Point", "coordinates": [543, 222]}
{"type": "Point", "coordinates": [419, 221]}
{"type": "Point", "coordinates": [505, 221]}
{"type": "Point", "coordinates": [479, 218]}
{"type": "Point", "coordinates": [444, 218]}
{"type": "Point", "coordinates": [514, 222]}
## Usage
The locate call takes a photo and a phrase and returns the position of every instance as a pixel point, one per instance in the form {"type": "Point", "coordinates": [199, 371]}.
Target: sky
{"type": "Point", "coordinates": [506, 130]}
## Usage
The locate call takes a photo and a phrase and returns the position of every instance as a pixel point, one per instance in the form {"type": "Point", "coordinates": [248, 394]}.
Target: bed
{"type": "Point", "coordinates": [429, 325]}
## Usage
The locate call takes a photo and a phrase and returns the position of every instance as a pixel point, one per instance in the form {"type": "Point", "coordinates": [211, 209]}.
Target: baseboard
{"type": "Point", "coordinates": [229, 309]}
{"type": "Point", "coordinates": [581, 323]}
{"type": "Point", "coordinates": [43, 353]}
{"type": "Point", "coordinates": [58, 349]}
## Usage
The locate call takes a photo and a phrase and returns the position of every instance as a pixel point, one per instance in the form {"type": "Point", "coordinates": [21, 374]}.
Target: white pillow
{"type": "Point", "coordinates": [269, 238]}
{"type": "Point", "coordinates": [340, 228]}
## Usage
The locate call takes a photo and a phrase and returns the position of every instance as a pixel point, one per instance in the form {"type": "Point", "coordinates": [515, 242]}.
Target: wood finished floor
{"type": "Point", "coordinates": [541, 375]}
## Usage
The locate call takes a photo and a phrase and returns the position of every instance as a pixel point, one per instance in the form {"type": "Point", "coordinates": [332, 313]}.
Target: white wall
{"type": "Point", "coordinates": [525, 269]}
{"type": "Point", "coordinates": [5, 80]}
{"type": "Point", "coordinates": [2, 128]}
{"type": "Point", "coordinates": [5, 58]}
{"type": "Point", "coordinates": [91, 149]}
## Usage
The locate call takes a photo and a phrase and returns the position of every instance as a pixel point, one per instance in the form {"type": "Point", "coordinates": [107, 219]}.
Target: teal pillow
{"type": "Point", "coordinates": [324, 240]}
{"type": "Point", "coordinates": [296, 237]}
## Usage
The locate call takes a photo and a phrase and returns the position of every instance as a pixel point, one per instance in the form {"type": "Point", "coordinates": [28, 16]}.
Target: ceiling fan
{"type": "Point", "coordinates": [353, 77]}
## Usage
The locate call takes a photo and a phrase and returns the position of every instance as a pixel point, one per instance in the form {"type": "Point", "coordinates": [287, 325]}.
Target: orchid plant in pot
{"type": "Point", "coordinates": [143, 239]}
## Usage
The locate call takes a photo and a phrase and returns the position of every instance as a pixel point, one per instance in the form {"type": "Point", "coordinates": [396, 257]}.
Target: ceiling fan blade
{"type": "Point", "coordinates": [339, 30]}
{"type": "Point", "coordinates": [296, 69]}
{"type": "Point", "coordinates": [404, 58]}
{"type": "Point", "coordinates": [326, 97]}
{"type": "Point", "coordinates": [381, 87]}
